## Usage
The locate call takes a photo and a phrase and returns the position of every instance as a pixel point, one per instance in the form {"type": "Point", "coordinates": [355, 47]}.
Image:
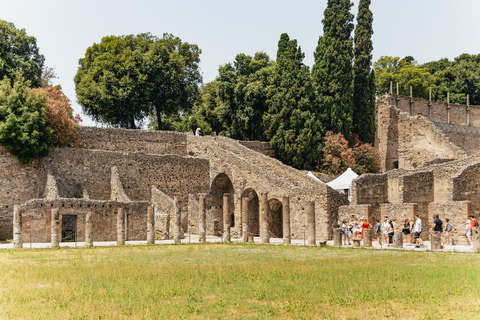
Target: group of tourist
{"type": "Point", "coordinates": [412, 230]}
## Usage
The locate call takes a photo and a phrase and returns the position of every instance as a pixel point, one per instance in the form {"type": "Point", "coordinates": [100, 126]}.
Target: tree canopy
{"type": "Point", "coordinates": [123, 79]}
{"type": "Point", "coordinates": [332, 71]}
{"type": "Point", "coordinates": [19, 52]}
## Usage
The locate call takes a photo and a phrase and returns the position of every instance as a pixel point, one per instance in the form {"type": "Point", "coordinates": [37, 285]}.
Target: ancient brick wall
{"type": "Point", "coordinates": [262, 147]}
{"type": "Point", "coordinates": [36, 218]}
{"type": "Point", "coordinates": [370, 189]}
{"type": "Point", "coordinates": [456, 211]}
{"type": "Point", "coordinates": [465, 186]}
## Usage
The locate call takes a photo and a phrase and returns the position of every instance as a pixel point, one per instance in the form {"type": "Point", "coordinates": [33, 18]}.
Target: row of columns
{"type": "Point", "coordinates": [263, 215]}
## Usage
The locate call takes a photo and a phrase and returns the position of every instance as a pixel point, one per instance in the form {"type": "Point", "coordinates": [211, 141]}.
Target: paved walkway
{"type": "Point", "coordinates": [211, 239]}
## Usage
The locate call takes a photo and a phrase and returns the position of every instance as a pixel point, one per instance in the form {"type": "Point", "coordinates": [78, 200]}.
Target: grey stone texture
{"type": "Point", "coordinates": [311, 223]}
{"type": "Point", "coordinates": [177, 236]}
{"type": "Point", "coordinates": [287, 239]}
{"type": "Point", "coordinates": [17, 227]}
{"type": "Point", "coordinates": [131, 169]}
{"type": "Point", "coordinates": [55, 228]}
{"type": "Point", "coordinates": [150, 225]}
{"type": "Point", "coordinates": [120, 227]}
{"type": "Point", "coordinates": [88, 230]}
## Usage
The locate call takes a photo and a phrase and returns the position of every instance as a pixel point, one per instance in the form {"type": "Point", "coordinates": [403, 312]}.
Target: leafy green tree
{"type": "Point", "coordinates": [206, 108]}
{"type": "Point", "coordinates": [110, 83]}
{"type": "Point", "coordinates": [123, 79]}
{"type": "Point", "coordinates": [241, 93]}
{"type": "Point", "coordinates": [406, 72]}
{"type": "Point", "coordinates": [332, 71]}
{"type": "Point", "coordinates": [23, 120]}
{"type": "Point", "coordinates": [459, 77]}
{"type": "Point", "coordinates": [282, 44]}
{"type": "Point", "coordinates": [18, 51]}
{"type": "Point", "coordinates": [293, 126]}
{"type": "Point", "coordinates": [363, 76]}
{"type": "Point", "coordinates": [173, 76]}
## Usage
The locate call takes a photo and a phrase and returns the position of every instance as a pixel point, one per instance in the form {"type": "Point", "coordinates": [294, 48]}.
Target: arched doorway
{"type": "Point", "coordinates": [220, 185]}
{"type": "Point", "coordinates": [253, 218]}
{"type": "Point", "coordinates": [275, 218]}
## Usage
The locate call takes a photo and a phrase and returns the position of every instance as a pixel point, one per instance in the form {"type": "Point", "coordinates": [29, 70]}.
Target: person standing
{"type": "Point", "coordinates": [446, 233]}
{"type": "Point", "coordinates": [418, 232]}
{"type": "Point", "coordinates": [406, 229]}
{"type": "Point", "coordinates": [378, 230]}
{"type": "Point", "coordinates": [437, 224]}
{"type": "Point", "coordinates": [384, 229]}
{"type": "Point", "coordinates": [468, 232]}
{"type": "Point", "coordinates": [391, 232]}
{"type": "Point", "coordinates": [365, 225]}
{"type": "Point", "coordinates": [197, 133]}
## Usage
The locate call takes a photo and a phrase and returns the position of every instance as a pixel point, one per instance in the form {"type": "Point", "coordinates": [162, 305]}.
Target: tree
{"type": "Point", "coordinates": [123, 79]}
{"type": "Point", "coordinates": [241, 93]}
{"type": "Point", "coordinates": [173, 76]}
{"type": "Point", "coordinates": [19, 52]}
{"type": "Point", "coordinates": [459, 77]}
{"type": "Point", "coordinates": [406, 72]}
{"type": "Point", "coordinates": [363, 76]}
{"type": "Point", "coordinates": [23, 121]}
{"type": "Point", "coordinates": [282, 44]}
{"type": "Point", "coordinates": [110, 84]}
{"type": "Point", "coordinates": [292, 124]}
{"type": "Point", "coordinates": [332, 71]}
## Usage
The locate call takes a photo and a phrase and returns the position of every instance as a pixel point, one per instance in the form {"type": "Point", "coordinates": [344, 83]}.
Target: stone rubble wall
{"type": "Point", "coordinates": [36, 218]}
{"type": "Point", "coordinates": [262, 147]}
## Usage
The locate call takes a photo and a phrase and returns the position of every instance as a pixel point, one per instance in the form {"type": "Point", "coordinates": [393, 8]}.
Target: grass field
{"type": "Point", "coordinates": [237, 281]}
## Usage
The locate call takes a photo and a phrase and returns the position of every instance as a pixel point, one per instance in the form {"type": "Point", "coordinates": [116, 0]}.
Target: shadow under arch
{"type": "Point", "coordinates": [253, 211]}
{"type": "Point", "coordinates": [220, 185]}
{"type": "Point", "coordinates": [275, 218]}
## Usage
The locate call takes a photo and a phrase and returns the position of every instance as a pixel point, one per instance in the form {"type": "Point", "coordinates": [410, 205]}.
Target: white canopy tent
{"type": "Point", "coordinates": [344, 182]}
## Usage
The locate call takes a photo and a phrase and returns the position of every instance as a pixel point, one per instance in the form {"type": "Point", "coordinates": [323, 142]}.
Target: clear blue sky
{"type": "Point", "coordinates": [425, 29]}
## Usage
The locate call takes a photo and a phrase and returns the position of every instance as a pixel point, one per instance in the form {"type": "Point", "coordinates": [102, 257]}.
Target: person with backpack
{"type": "Point", "coordinates": [446, 233]}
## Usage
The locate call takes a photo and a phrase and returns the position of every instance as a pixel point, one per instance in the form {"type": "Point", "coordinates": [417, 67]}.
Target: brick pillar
{"type": "Point", "coordinates": [264, 209]}
{"type": "Point", "coordinates": [17, 227]}
{"type": "Point", "coordinates": [177, 215]}
{"type": "Point", "coordinates": [245, 221]}
{"type": "Point", "coordinates": [367, 238]}
{"type": "Point", "coordinates": [88, 230]}
{"type": "Point", "coordinates": [311, 223]}
{"type": "Point", "coordinates": [120, 227]}
{"type": "Point", "coordinates": [150, 225]}
{"type": "Point", "coordinates": [226, 218]}
{"type": "Point", "coordinates": [398, 240]}
{"type": "Point", "coordinates": [202, 218]}
{"type": "Point", "coordinates": [337, 237]}
{"type": "Point", "coordinates": [287, 238]}
{"type": "Point", "coordinates": [55, 228]}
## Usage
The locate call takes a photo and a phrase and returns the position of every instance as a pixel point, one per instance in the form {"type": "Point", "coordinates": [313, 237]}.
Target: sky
{"type": "Point", "coordinates": [428, 30]}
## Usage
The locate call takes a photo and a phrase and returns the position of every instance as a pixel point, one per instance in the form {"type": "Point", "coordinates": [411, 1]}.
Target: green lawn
{"type": "Point", "coordinates": [237, 281]}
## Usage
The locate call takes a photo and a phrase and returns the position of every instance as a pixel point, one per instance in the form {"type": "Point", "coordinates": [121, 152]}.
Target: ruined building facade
{"type": "Point", "coordinates": [135, 169]}
{"type": "Point", "coordinates": [431, 163]}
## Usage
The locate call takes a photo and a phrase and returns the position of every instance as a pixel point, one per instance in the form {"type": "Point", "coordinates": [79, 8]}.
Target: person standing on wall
{"type": "Point", "coordinates": [197, 133]}
{"type": "Point", "coordinates": [418, 232]}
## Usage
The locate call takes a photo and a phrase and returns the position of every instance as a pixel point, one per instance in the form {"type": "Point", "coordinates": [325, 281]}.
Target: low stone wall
{"type": "Point", "coordinates": [36, 218]}
{"type": "Point", "coordinates": [456, 211]}
{"type": "Point", "coordinates": [262, 147]}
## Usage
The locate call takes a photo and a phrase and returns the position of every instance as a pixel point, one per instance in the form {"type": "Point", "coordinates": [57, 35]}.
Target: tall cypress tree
{"type": "Point", "coordinates": [363, 76]}
{"type": "Point", "coordinates": [332, 71]}
{"type": "Point", "coordinates": [292, 125]}
{"type": "Point", "coordinates": [282, 44]}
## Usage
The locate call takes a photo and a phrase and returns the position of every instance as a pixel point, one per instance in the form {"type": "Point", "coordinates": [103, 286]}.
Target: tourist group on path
{"type": "Point", "coordinates": [411, 228]}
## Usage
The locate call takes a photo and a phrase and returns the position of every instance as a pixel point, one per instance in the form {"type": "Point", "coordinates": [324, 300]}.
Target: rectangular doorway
{"type": "Point", "coordinates": [69, 228]}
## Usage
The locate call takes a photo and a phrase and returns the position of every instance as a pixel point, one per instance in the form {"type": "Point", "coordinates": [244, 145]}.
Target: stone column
{"type": "Point", "coordinates": [88, 230]}
{"type": "Point", "coordinates": [150, 225]}
{"type": "Point", "coordinates": [264, 210]}
{"type": "Point", "coordinates": [367, 238]}
{"type": "Point", "coordinates": [120, 227]}
{"type": "Point", "coordinates": [17, 227]}
{"type": "Point", "coordinates": [177, 215]}
{"type": "Point", "coordinates": [337, 237]}
{"type": "Point", "coordinates": [245, 221]}
{"type": "Point", "coordinates": [287, 238]}
{"type": "Point", "coordinates": [311, 223]}
{"type": "Point", "coordinates": [436, 240]}
{"type": "Point", "coordinates": [398, 240]}
{"type": "Point", "coordinates": [226, 218]}
{"type": "Point", "coordinates": [202, 218]}
{"type": "Point", "coordinates": [55, 228]}
{"type": "Point", "coordinates": [475, 238]}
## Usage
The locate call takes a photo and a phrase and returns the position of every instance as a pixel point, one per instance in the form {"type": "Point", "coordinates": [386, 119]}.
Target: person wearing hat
{"type": "Point", "coordinates": [197, 133]}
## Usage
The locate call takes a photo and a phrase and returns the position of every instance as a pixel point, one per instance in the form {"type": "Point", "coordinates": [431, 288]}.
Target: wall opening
{"type": "Point", "coordinates": [275, 218]}
{"type": "Point", "coordinates": [69, 228]}
{"type": "Point", "coordinates": [220, 185]}
{"type": "Point", "coordinates": [253, 209]}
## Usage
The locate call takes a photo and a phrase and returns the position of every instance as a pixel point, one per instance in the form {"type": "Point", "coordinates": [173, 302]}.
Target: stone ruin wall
{"type": "Point", "coordinates": [141, 163]}
{"type": "Point", "coordinates": [405, 141]}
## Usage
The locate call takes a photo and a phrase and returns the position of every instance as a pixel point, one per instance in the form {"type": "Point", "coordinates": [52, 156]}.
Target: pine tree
{"type": "Point", "coordinates": [292, 124]}
{"type": "Point", "coordinates": [332, 71]}
{"type": "Point", "coordinates": [363, 76]}
{"type": "Point", "coordinates": [282, 44]}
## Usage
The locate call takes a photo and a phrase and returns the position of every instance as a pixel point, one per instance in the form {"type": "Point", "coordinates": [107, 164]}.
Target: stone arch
{"type": "Point", "coordinates": [275, 218]}
{"type": "Point", "coordinates": [221, 184]}
{"type": "Point", "coordinates": [253, 209]}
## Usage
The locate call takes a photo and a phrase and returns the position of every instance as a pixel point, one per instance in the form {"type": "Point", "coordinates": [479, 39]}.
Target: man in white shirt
{"type": "Point", "coordinates": [418, 230]}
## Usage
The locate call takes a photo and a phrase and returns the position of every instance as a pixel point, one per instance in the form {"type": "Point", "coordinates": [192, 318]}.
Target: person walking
{"type": "Point", "coordinates": [446, 233]}
{"type": "Point", "coordinates": [468, 232]}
